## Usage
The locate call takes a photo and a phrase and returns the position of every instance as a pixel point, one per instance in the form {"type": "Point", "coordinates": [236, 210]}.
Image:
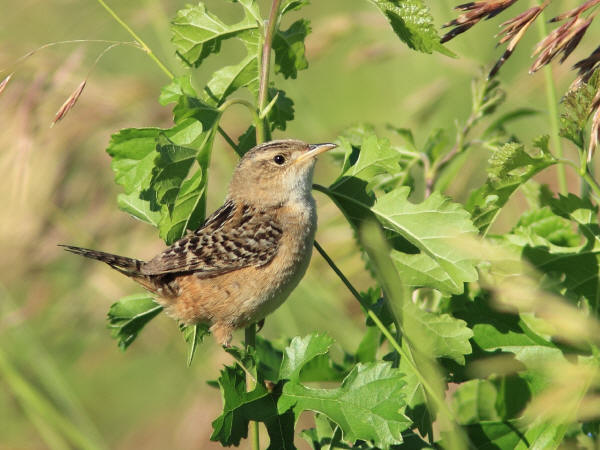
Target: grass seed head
{"type": "Point", "coordinates": [474, 12]}
{"type": "Point", "coordinates": [69, 103]}
{"type": "Point", "coordinates": [513, 30]}
{"type": "Point", "coordinates": [4, 82]}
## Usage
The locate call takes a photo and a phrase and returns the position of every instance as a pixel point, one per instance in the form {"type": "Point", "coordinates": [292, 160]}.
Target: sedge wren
{"type": "Point", "coordinates": [248, 255]}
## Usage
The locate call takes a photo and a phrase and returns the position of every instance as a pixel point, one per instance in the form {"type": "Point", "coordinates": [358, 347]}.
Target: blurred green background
{"type": "Point", "coordinates": [60, 372]}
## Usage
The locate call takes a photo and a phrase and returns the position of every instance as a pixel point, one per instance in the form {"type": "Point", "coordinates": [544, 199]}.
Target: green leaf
{"type": "Point", "coordinates": [133, 151]}
{"type": "Point", "coordinates": [196, 33]}
{"type": "Point", "coordinates": [366, 406]}
{"type": "Point", "coordinates": [193, 335]}
{"type": "Point", "coordinates": [177, 88]}
{"type": "Point", "coordinates": [138, 208]}
{"type": "Point", "coordinates": [229, 79]}
{"type": "Point", "coordinates": [240, 407]}
{"type": "Point", "coordinates": [282, 111]}
{"type": "Point", "coordinates": [289, 49]}
{"type": "Point", "coordinates": [300, 352]}
{"type": "Point", "coordinates": [510, 167]}
{"type": "Point", "coordinates": [292, 5]}
{"type": "Point", "coordinates": [577, 105]}
{"type": "Point", "coordinates": [475, 401]}
{"type": "Point", "coordinates": [365, 158]}
{"type": "Point", "coordinates": [547, 240]}
{"type": "Point", "coordinates": [491, 435]}
{"type": "Point", "coordinates": [442, 336]}
{"type": "Point", "coordinates": [412, 22]}
{"type": "Point", "coordinates": [429, 226]}
{"type": "Point", "coordinates": [128, 316]}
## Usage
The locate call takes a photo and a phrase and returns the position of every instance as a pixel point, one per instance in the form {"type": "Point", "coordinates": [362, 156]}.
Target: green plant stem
{"type": "Point", "coordinates": [552, 102]}
{"type": "Point", "coordinates": [439, 402]}
{"type": "Point", "coordinates": [250, 343]}
{"type": "Point", "coordinates": [151, 54]}
{"type": "Point", "coordinates": [586, 175]}
{"type": "Point", "coordinates": [137, 38]}
{"type": "Point", "coordinates": [265, 65]}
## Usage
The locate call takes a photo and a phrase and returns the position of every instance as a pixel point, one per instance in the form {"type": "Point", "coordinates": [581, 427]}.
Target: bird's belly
{"type": "Point", "coordinates": [244, 296]}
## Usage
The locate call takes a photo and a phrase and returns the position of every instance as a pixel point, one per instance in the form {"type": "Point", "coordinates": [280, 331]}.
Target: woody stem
{"type": "Point", "coordinates": [262, 131]}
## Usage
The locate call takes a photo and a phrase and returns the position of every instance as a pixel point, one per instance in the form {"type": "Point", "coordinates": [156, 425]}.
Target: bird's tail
{"type": "Point", "coordinates": [128, 266]}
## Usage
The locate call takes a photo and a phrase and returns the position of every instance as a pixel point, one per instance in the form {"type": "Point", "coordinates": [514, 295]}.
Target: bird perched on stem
{"type": "Point", "coordinates": [248, 255]}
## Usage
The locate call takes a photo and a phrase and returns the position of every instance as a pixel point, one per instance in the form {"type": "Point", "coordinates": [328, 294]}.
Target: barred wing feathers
{"type": "Point", "coordinates": [233, 237]}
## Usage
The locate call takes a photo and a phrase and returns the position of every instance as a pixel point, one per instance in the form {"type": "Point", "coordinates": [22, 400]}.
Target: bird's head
{"type": "Point", "coordinates": [276, 172]}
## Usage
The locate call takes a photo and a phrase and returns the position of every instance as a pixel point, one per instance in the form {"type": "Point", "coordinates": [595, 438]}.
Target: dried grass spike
{"type": "Point", "coordinates": [563, 39]}
{"type": "Point", "coordinates": [575, 11]}
{"type": "Point", "coordinates": [69, 103]}
{"type": "Point", "coordinates": [586, 68]}
{"type": "Point", "coordinates": [5, 82]}
{"type": "Point", "coordinates": [474, 12]}
{"type": "Point", "coordinates": [514, 29]}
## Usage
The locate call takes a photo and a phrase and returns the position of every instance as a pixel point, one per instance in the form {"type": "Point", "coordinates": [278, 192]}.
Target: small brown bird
{"type": "Point", "coordinates": [248, 255]}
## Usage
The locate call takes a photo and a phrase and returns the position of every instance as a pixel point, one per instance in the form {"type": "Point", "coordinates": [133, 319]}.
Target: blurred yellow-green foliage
{"type": "Point", "coordinates": [59, 367]}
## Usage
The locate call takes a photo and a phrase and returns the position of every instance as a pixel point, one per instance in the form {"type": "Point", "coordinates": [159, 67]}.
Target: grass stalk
{"type": "Point", "coordinates": [138, 39]}
{"type": "Point", "coordinates": [552, 104]}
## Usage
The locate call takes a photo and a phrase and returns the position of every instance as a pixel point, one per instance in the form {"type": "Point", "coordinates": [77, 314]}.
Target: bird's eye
{"type": "Point", "coordinates": [279, 159]}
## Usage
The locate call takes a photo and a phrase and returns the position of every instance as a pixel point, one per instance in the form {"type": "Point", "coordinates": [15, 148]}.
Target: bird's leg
{"type": "Point", "coordinates": [260, 324]}
{"type": "Point", "coordinates": [222, 333]}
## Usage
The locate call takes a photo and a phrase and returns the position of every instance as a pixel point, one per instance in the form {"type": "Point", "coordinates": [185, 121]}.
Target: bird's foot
{"type": "Point", "coordinates": [222, 333]}
{"type": "Point", "coordinates": [260, 324]}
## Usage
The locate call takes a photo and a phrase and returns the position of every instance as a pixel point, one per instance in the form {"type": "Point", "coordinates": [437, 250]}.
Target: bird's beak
{"type": "Point", "coordinates": [315, 150]}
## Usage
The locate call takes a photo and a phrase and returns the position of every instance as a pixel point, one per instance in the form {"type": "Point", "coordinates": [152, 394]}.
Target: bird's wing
{"type": "Point", "coordinates": [233, 237]}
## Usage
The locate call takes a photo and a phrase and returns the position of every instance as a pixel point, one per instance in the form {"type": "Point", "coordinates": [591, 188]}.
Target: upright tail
{"type": "Point", "coordinates": [125, 265]}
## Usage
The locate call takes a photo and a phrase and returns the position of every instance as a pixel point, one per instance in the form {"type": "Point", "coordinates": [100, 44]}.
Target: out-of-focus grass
{"type": "Point", "coordinates": [56, 186]}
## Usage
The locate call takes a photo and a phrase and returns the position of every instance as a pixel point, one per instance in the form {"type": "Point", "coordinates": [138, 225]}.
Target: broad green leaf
{"type": "Point", "coordinates": [229, 79]}
{"type": "Point", "coordinates": [475, 401]}
{"type": "Point", "coordinates": [138, 208]}
{"type": "Point", "coordinates": [240, 407]}
{"type": "Point", "coordinates": [442, 335]}
{"type": "Point", "coordinates": [171, 167]}
{"type": "Point", "coordinates": [128, 316]}
{"type": "Point", "coordinates": [196, 33]}
{"type": "Point", "coordinates": [412, 22]}
{"type": "Point", "coordinates": [429, 226]}
{"type": "Point", "coordinates": [542, 227]}
{"type": "Point", "coordinates": [132, 150]}
{"type": "Point", "coordinates": [178, 87]}
{"type": "Point", "coordinates": [300, 352]}
{"type": "Point", "coordinates": [547, 239]}
{"type": "Point", "coordinates": [510, 167]}
{"type": "Point", "coordinates": [365, 158]}
{"type": "Point", "coordinates": [366, 406]}
{"type": "Point", "coordinates": [133, 153]}
{"type": "Point", "coordinates": [289, 49]}
{"type": "Point", "coordinates": [187, 209]}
